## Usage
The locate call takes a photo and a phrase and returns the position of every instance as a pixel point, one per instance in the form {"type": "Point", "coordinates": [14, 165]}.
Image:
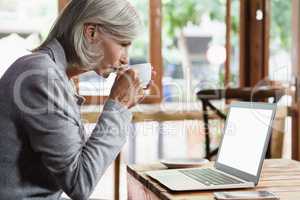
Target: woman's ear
{"type": "Point", "coordinates": [90, 32]}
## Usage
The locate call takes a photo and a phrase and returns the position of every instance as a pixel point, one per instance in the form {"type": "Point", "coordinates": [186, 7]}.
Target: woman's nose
{"type": "Point", "coordinates": [124, 60]}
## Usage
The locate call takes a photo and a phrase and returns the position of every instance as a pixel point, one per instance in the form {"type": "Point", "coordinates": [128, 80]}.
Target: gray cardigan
{"type": "Point", "coordinates": [44, 149]}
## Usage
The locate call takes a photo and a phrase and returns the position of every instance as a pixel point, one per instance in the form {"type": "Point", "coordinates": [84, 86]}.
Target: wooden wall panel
{"type": "Point", "coordinates": [254, 41]}
{"type": "Point", "coordinates": [296, 72]}
{"type": "Point", "coordinates": [155, 30]}
{"type": "Point", "coordinates": [228, 43]}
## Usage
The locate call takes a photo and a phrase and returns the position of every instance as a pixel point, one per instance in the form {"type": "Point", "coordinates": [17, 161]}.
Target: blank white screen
{"type": "Point", "coordinates": [244, 139]}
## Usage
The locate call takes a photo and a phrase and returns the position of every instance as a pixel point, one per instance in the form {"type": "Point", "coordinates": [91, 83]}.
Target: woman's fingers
{"type": "Point", "coordinates": [151, 83]}
{"type": "Point", "coordinates": [140, 95]}
{"type": "Point", "coordinates": [127, 88]}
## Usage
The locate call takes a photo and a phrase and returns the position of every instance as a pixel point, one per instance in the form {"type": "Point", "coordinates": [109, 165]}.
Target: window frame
{"type": "Point", "coordinates": [296, 71]}
{"type": "Point", "coordinates": [250, 72]}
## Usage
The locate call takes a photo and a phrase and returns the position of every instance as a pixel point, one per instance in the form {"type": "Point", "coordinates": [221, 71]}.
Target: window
{"type": "Point", "coordinates": [194, 53]}
{"type": "Point", "coordinates": [280, 68]}
{"type": "Point", "coordinates": [193, 48]}
{"type": "Point", "coordinates": [193, 31]}
{"type": "Point", "coordinates": [24, 16]}
{"type": "Point", "coordinates": [23, 25]}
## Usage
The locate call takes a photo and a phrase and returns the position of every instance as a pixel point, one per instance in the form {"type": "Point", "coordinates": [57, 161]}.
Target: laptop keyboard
{"type": "Point", "coordinates": [210, 177]}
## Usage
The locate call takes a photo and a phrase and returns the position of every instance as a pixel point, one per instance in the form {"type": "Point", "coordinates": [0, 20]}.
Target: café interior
{"type": "Point", "coordinates": [206, 55]}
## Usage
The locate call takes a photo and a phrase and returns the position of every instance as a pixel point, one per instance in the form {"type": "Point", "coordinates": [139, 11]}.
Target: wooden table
{"type": "Point", "coordinates": [278, 175]}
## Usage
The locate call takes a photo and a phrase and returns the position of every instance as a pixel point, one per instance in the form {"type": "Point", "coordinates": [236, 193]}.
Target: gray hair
{"type": "Point", "coordinates": [115, 17]}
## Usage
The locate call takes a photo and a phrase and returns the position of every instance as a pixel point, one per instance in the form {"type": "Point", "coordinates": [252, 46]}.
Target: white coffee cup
{"type": "Point", "coordinates": [144, 72]}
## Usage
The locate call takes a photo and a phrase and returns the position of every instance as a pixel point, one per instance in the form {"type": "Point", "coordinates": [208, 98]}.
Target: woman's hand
{"type": "Point", "coordinates": [127, 89]}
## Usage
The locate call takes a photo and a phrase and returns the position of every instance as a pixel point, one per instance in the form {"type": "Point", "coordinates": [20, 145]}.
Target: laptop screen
{"type": "Point", "coordinates": [244, 138]}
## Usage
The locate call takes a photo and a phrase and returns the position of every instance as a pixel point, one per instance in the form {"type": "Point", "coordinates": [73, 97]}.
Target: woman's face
{"type": "Point", "coordinates": [115, 54]}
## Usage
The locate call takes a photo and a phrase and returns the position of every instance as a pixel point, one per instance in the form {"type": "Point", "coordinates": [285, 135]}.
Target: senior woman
{"type": "Point", "coordinates": [44, 149]}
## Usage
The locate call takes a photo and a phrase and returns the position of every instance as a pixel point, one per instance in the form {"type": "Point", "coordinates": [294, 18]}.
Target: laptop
{"type": "Point", "coordinates": [240, 157]}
